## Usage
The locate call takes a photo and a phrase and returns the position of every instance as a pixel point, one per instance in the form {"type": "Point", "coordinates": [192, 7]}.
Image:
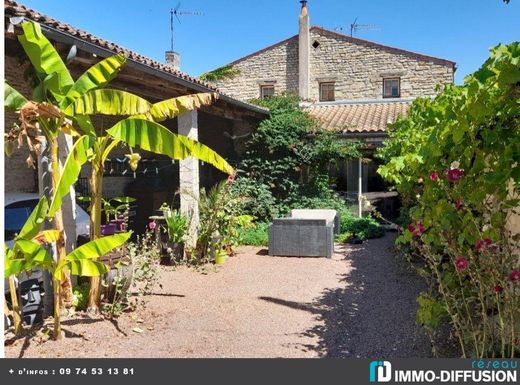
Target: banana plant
{"type": "Point", "coordinates": [41, 119]}
{"type": "Point", "coordinates": [30, 252]}
{"type": "Point", "coordinates": [59, 103]}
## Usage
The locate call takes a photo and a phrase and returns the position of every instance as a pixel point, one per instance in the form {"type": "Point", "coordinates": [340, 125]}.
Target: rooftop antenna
{"type": "Point", "coordinates": [175, 13]}
{"type": "Point", "coordinates": [354, 27]}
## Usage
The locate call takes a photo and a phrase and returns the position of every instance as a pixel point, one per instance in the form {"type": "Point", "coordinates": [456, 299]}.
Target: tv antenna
{"type": "Point", "coordinates": [176, 13]}
{"type": "Point", "coordinates": [355, 27]}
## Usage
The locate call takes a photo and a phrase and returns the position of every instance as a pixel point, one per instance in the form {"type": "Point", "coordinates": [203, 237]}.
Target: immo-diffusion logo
{"type": "Point", "coordinates": [380, 371]}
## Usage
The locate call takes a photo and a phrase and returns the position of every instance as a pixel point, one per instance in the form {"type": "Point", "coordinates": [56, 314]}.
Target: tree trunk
{"type": "Point", "coordinates": [96, 194]}
{"type": "Point", "coordinates": [62, 287]}
{"type": "Point", "coordinates": [17, 319]}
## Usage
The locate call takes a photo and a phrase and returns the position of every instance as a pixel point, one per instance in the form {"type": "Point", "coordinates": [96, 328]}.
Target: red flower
{"type": "Point", "coordinates": [454, 175]}
{"type": "Point", "coordinates": [152, 225]}
{"type": "Point", "coordinates": [458, 204]}
{"type": "Point", "coordinates": [498, 288]}
{"type": "Point", "coordinates": [461, 263]}
{"type": "Point", "coordinates": [514, 276]}
{"type": "Point", "coordinates": [434, 176]}
{"type": "Point", "coordinates": [483, 244]}
{"type": "Point", "coordinates": [417, 229]}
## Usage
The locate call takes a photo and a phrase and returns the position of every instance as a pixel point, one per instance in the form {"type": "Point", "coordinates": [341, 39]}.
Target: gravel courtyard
{"type": "Point", "coordinates": [360, 303]}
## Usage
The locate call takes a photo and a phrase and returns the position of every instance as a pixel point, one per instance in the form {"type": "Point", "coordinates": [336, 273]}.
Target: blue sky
{"type": "Point", "coordinates": [459, 30]}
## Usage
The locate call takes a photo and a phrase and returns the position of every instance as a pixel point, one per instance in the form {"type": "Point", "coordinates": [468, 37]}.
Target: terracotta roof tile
{"type": "Point", "coordinates": [358, 116]}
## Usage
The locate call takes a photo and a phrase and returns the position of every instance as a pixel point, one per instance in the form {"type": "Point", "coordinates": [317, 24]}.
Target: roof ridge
{"type": "Point", "coordinates": [359, 101]}
{"type": "Point", "coordinates": [369, 42]}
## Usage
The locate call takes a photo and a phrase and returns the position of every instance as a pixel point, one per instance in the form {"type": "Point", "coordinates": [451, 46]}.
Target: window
{"type": "Point", "coordinates": [327, 92]}
{"type": "Point", "coordinates": [266, 91]}
{"type": "Point", "coordinates": [392, 88]}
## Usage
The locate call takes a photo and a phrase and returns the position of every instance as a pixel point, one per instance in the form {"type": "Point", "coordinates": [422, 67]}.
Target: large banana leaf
{"type": "Point", "coordinates": [85, 123]}
{"type": "Point", "coordinates": [154, 137]}
{"type": "Point", "coordinates": [99, 247]}
{"type": "Point", "coordinates": [35, 255]}
{"type": "Point", "coordinates": [82, 260]}
{"type": "Point", "coordinates": [34, 222]}
{"type": "Point", "coordinates": [97, 76]}
{"type": "Point", "coordinates": [170, 108]}
{"type": "Point", "coordinates": [12, 266]}
{"type": "Point", "coordinates": [13, 100]}
{"type": "Point", "coordinates": [77, 157]}
{"type": "Point", "coordinates": [108, 102]}
{"type": "Point", "coordinates": [45, 59]}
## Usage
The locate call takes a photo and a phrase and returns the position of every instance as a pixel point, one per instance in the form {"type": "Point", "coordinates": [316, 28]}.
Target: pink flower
{"type": "Point", "coordinates": [514, 276]}
{"type": "Point", "coordinates": [152, 225]}
{"type": "Point", "coordinates": [483, 244]}
{"type": "Point", "coordinates": [434, 176]}
{"type": "Point", "coordinates": [458, 204]}
{"type": "Point", "coordinates": [231, 179]}
{"type": "Point", "coordinates": [498, 289]}
{"type": "Point", "coordinates": [461, 263]}
{"type": "Point", "coordinates": [454, 174]}
{"type": "Point", "coordinates": [417, 229]}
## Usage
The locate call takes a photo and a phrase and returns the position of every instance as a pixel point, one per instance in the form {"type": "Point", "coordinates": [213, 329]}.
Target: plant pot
{"type": "Point", "coordinates": [119, 223]}
{"type": "Point", "coordinates": [220, 259]}
{"type": "Point", "coordinates": [108, 229]}
{"type": "Point", "coordinates": [173, 250]}
{"type": "Point", "coordinates": [120, 267]}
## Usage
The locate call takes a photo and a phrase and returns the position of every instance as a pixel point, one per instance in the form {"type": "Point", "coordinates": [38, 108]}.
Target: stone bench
{"type": "Point", "coordinates": [301, 237]}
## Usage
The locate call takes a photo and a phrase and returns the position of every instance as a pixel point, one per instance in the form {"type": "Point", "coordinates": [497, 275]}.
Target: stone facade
{"type": "Point", "coordinates": [356, 66]}
{"type": "Point", "coordinates": [276, 65]}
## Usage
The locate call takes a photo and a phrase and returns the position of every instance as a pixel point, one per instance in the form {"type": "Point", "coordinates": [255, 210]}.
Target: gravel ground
{"type": "Point", "coordinates": [360, 303]}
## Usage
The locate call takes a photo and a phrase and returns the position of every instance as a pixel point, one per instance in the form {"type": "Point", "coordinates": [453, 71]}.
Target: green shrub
{"type": "Point", "coordinates": [455, 162]}
{"type": "Point", "coordinates": [362, 228]}
{"type": "Point", "coordinates": [287, 161]}
{"type": "Point", "coordinates": [255, 236]}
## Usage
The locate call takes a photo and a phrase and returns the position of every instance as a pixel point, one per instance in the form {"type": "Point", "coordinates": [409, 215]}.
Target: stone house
{"type": "Point", "coordinates": [222, 126]}
{"type": "Point", "coordinates": [351, 86]}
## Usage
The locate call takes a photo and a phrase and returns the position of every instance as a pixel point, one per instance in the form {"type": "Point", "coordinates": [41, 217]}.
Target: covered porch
{"type": "Point", "coordinates": [365, 121]}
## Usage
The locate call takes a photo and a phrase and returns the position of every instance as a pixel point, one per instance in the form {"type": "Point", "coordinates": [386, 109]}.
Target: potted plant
{"type": "Point", "coordinates": [113, 209]}
{"type": "Point", "coordinates": [176, 226]}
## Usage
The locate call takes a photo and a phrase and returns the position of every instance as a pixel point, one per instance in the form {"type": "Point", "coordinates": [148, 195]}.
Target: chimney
{"type": "Point", "coordinates": [173, 59]}
{"type": "Point", "coordinates": [304, 47]}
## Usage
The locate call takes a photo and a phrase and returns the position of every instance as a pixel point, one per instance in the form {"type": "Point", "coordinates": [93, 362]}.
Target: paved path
{"type": "Point", "coordinates": [360, 303]}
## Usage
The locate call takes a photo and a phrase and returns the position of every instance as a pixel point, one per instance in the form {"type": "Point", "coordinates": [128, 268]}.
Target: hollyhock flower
{"type": "Point", "coordinates": [461, 263]}
{"type": "Point", "coordinates": [417, 229]}
{"type": "Point", "coordinates": [483, 244]}
{"type": "Point", "coordinates": [458, 204]}
{"type": "Point", "coordinates": [498, 289]}
{"type": "Point", "coordinates": [434, 176]}
{"type": "Point", "coordinates": [514, 276]}
{"type": "Point", "coordinates": [454, 174]}
{"type": "Point", "coordinates": [454, 165]}
{"type": "Point", "coordinates": [231, 178]}
{"type": "Point", "coordinates": [152, 225]}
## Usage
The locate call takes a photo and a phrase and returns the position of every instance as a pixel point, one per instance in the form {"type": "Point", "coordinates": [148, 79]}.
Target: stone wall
{"type": "Point", "coordinates": [357, 68]}
{"type": "Point", "coordinates": [278, 63]}
{"type": "Point", "coordinates": [18, 177]}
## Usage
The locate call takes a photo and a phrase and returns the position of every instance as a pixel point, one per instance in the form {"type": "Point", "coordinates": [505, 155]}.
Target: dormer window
{"type": "Point", "coordinates": [266, 91]}
{"type": "Point", "coordinates": [327, 91]}
{"type": "Point", "coordinates": [391, 88]}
